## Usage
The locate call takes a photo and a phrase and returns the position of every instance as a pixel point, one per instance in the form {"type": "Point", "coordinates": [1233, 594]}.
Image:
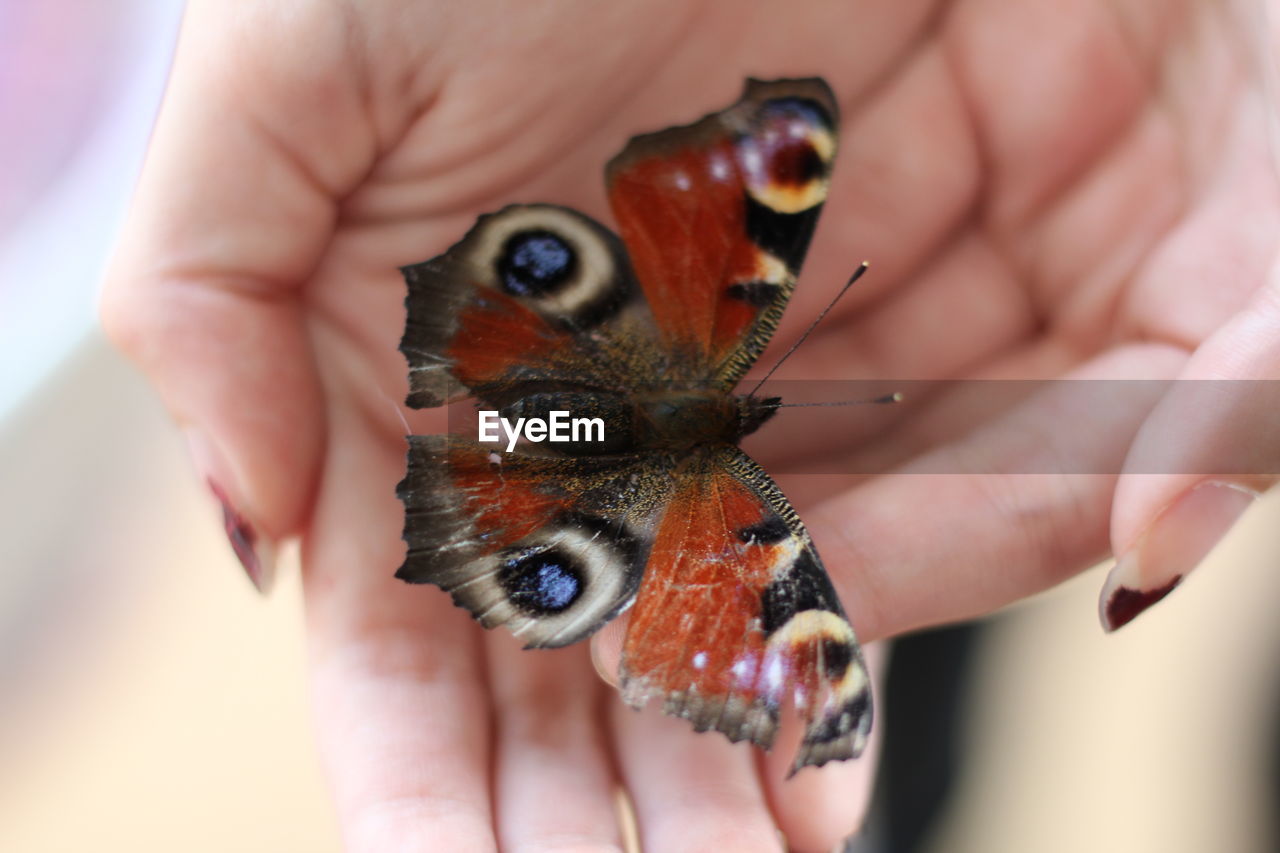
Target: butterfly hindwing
{"type": "Point", "coordinates": [717, 217]}
{"type": "Point", "coordinates": [551, 547]}
{"type": "Point", "coordinates": [736, 617]}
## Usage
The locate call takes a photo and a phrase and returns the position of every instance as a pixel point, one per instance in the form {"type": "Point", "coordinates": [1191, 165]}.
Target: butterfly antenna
{"type": "Point", "coordinates": [895, 397]}
{"type": "Point", "coordinates": [857, 274]}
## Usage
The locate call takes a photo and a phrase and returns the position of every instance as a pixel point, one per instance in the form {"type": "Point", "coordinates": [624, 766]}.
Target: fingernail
{"type": "Point", "coordinates": [255, 552]}
{"type": "Point", "coordinates": [1170, 549]}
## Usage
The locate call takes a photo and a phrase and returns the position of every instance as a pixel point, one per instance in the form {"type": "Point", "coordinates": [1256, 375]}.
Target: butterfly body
{"type": "Point", "coordinates": [654, 420]}
{"type": "Point", "coordinates": [540, 309]}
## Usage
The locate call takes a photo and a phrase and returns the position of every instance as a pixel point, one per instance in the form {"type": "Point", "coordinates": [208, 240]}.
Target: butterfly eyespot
{"type": "Point", "coordinates": [542, 583]}
{"type": "Point", "coordinates": [787, 160]}
{"type": "Point", "coordinates": [535, 263]}
{"type": "Point", "coordinates": [797, 164]}
{"type": "Point", "coordinates": [836, 657]}
{"type": "Point", "coordinates": [551, 588]}
{"type": "Point", "coordinates": [562, 264]}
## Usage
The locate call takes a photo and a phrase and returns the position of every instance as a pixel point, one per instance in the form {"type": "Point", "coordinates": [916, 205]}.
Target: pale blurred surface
{"type": "Point", "coordinates": [154, 701]}
{"type": "Point", "coordinates": [80, 82]}
{"type": "Point", "coordinates": [1159, 738]}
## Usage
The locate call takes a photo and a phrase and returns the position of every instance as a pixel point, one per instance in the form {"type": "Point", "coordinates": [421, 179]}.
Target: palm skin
{"type": "Point", "coordinates": [1043, 190]}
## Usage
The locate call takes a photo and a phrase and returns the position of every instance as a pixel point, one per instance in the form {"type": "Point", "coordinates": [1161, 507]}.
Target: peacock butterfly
{"type": "Point", "coordinates": [541, 310]}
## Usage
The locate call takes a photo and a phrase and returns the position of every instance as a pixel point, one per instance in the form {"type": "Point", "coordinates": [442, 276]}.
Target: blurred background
{"type": "Point", "coordinates": [151, 701]}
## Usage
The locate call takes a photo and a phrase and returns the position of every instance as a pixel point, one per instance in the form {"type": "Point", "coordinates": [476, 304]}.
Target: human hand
{"type": "Point", "coordinates": [1045, 180]}
{"type": "Point", "coordinates": [1096, 199]}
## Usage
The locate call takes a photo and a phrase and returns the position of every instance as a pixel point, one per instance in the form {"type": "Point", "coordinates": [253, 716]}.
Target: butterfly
{"type": "Point", "coordinates": [540, 310]}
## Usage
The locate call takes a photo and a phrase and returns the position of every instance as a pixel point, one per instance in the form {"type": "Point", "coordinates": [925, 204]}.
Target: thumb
{"type": "Point", "coordinates": [1206, 452]}
{"type": "Point", "coordinates": [228, 220]}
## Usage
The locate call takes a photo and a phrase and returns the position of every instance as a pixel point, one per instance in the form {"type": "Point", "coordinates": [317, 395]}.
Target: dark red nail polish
{"type": "Point", "coordinates": [1125, 604]}
{"type": "Point", "coordinates": [244, 539]}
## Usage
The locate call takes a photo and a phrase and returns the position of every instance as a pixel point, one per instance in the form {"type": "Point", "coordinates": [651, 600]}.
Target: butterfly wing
{"type": "Point", "coordinates": [735, 617]}
{"type": "Point", "coordinates": [533, 294]}
{"type": "Point", "coordinates": [717, 217]}
{"type": "Point", "coordinates": [552, 547]}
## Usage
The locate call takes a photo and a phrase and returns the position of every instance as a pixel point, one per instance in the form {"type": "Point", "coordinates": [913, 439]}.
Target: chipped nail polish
{"type": "Point", "coordinates": [1125, 604]}
{"type": "Point", "coordinates": [1175, 543]}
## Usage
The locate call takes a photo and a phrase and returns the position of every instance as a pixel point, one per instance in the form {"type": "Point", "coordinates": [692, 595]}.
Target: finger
{"type": "Point", "coordinates": [814, 809]}
{"type": "Point", "coordinates": [906, 199]}
{"type": "Point", "coordinates": [929, 413]}
{"type": "Point", "coordinates": [819, 807]}
{"type": "Point", "coordinates": [398, 672]}
{"type": "Point", "coordinates": [910, 334]}
{"type": "Point", "coordinates": [232, 211]}
{"type": "Point", "coordinates": [1209, 448]}
{"type": "Point", "coordinates": [554, 784]}
{"type": "Point", "coordinates": [902, 334]}
{"type": "Point", "coordinates": [933, 414]}
{"type": "Point", "coordinates": [606, 649]}
{"type": "Point", "coordinates": [1006, 511]}
{"type": "Point", "coordinates": [897, 196]}
{"type": "Point", "coordinates": [691, 791]}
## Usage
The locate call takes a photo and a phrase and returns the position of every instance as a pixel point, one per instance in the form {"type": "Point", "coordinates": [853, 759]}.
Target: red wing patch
{"type": "Point", "coordinates": [498, 339]}
{"type": "Point", "coordinates": [683, 219]}
{"type": "Point", "coordinates": [544, 545]}
{"type": "Point", "coordinates": [735, 617]}
{"type": "Point", "coordinates": [532, 293]}
{"type": "Point", "coordinates": [717, 218]}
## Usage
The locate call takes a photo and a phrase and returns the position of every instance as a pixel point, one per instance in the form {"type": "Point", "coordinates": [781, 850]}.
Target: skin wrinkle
{"type": "Point", "coordinates": [1087, 313]}
{"type": "Point", "coordinates": [1265, 56]}
{"type": "Point", "coordinates": [382, 102]}
{"type": "Point", "coordinates": [1144, 296]}
{"type": "Point", "coordinates": [372, 800]}
{"type": "Point", "coordinates": [931, 25]}
{"type": "Point", "coordinates": [1204, 111]}
{"type": "Point", "coordinates": [304, 168]}
{"type": "Point", "coordinates": [388, 651]}
{"type": "Point", "coordinates": [688, 788]}
{"type": "Point", "coordinates": [539, 715]}
{"type": "Point", "coordinates": [508, 146]}
{"type": "Point", "coordinates": [967, 197]}
{"type": "Point", "coordinates": [999, 238]}
{"type": "Point", "coordinates": [891, 421]}
{"type": "Point", "coordinates": [381, 825]}
{"type": "Point", "coordinates": [966, 206]}
{"type": "Point", "coordinates": [686, 806]}
{"type": "Point", "coordinates": [550, 735]}
{"type": "Point", "coordinates": [311, 88]}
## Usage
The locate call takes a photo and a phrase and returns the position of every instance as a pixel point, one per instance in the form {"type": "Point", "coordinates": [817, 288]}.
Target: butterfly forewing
{"type": "Point", "coordinates": [717, 217]}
